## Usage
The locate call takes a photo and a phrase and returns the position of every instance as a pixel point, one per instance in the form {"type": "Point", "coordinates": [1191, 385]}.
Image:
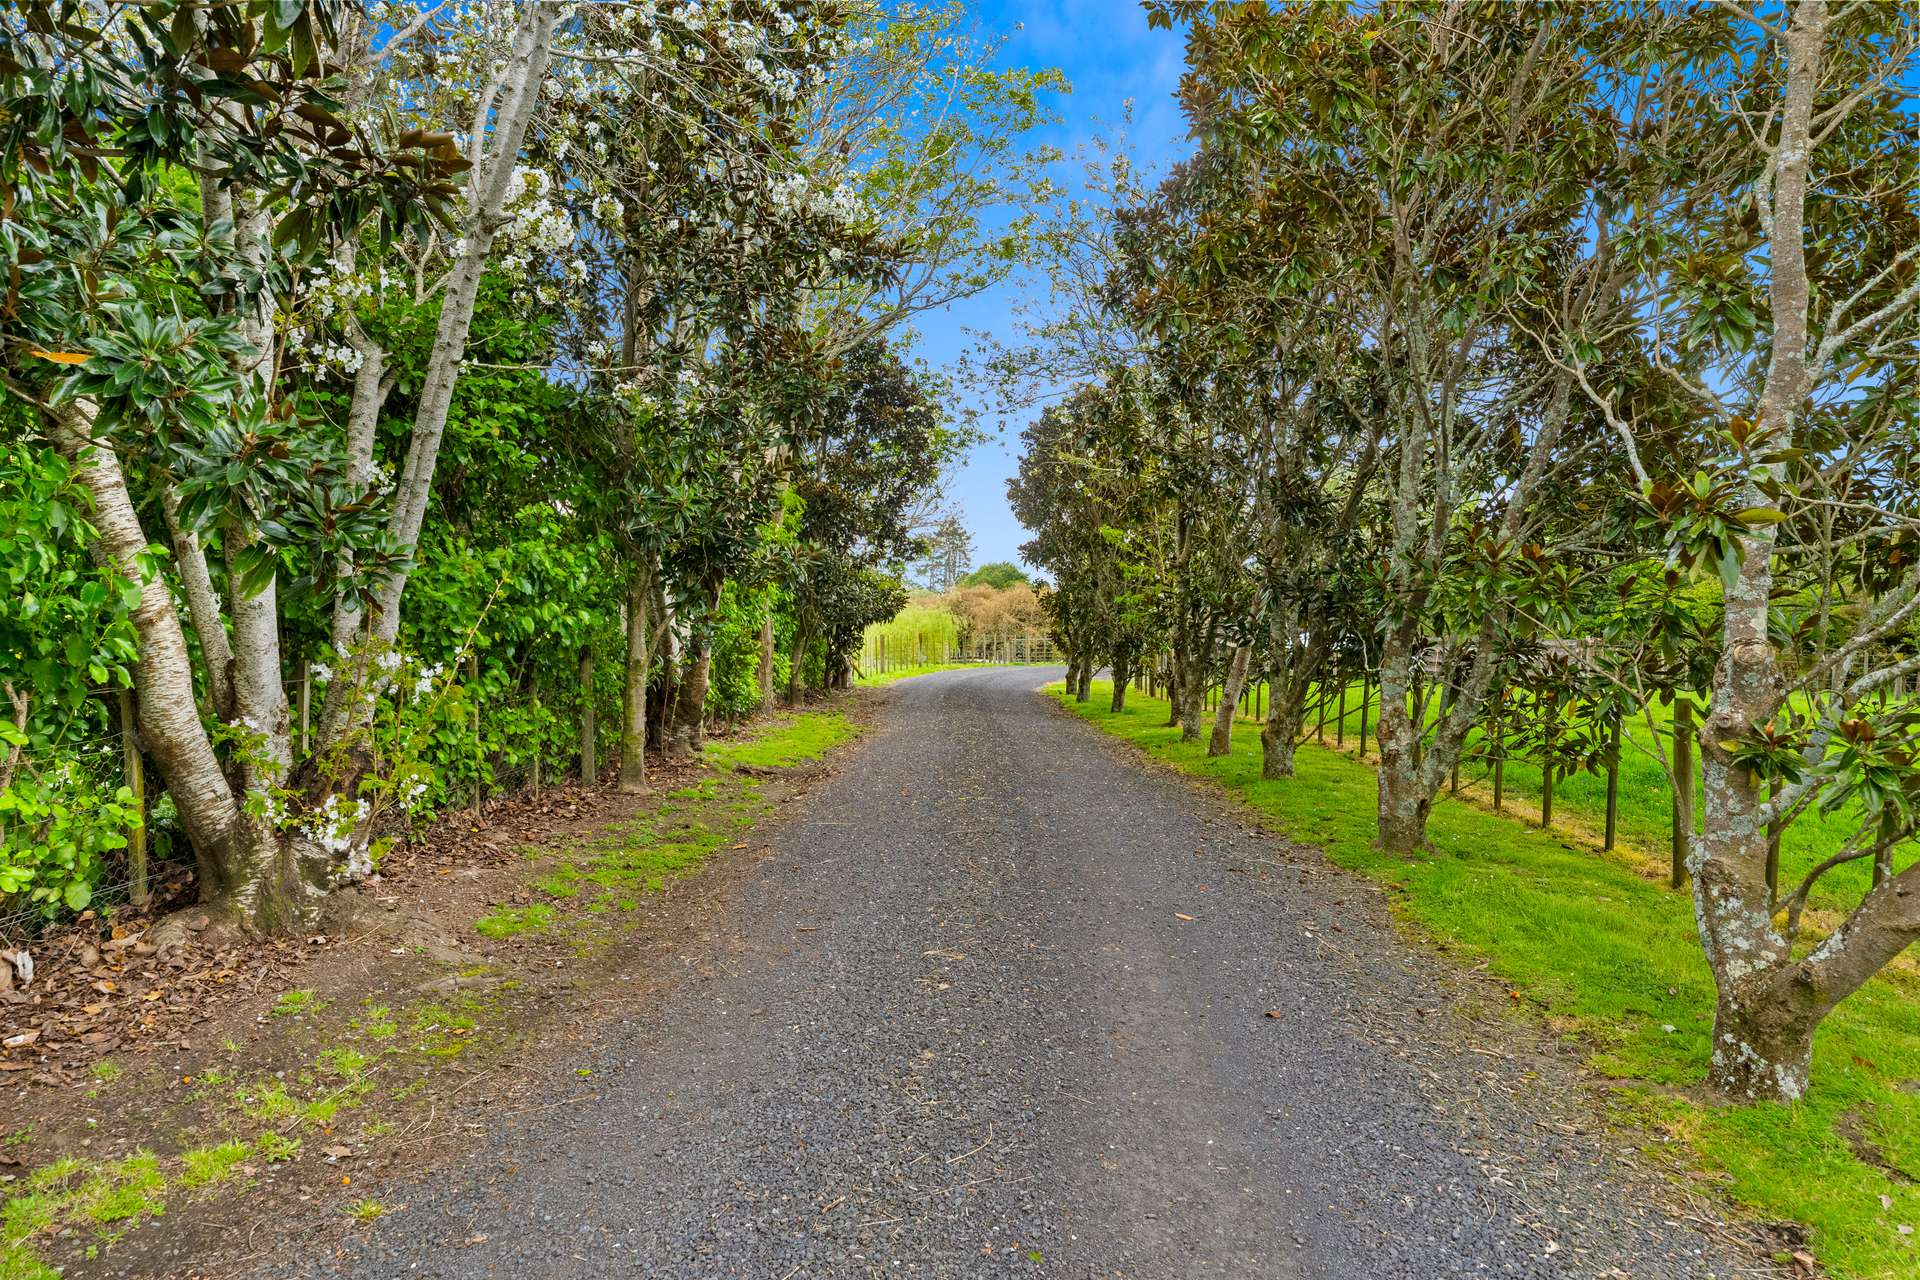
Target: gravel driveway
{"type": "Point", "coordinates": [1003, 1001]}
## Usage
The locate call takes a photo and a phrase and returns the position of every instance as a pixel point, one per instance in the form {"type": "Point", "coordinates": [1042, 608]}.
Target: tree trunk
{"type": "Point", "coordinates": [633, 721]}
{"type": "Point", "coordinates": [1287, 695]}
{"type": "Point", "coordinates": [203, 606]}
{"type": "Point", "coordinates": [1122, 676]}
{"type": "Point", "coordinates": [1073, 674]}
{"type": "Point", "coordinates": [169, 719]}
{"type": "Point", "coordinates": [797, 664]}
{"type": "Point", "coordinates": [493, 184]}
{"type": "Point", "coordinates": [589, 720]}
{"type": "Point", "coordinates": [1221, 742]}
{"type": "Point", "coordinates": [1768, 1003]}
{"type": "Point", "coordinates": [1083, 692]}
{"type": "Point", "coordinates": [765, 674]}
{"type": "Point", "coordinates": [1763, 1042]}
{"type": "Point", "coordinates": [690, 716]}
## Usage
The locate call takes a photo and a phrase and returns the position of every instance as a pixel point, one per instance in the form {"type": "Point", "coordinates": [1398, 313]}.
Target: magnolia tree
{"type": "Point", "coordinates": [205, 166]}
{"type": "Point", "coordinates": [1449, 156]}
{"type": "Point", "coordinates": [1762, 397]}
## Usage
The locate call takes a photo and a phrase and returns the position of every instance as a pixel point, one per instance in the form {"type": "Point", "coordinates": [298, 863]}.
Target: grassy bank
{"type": "Point", "coordinates": [1607, 954]}
{"type": "Point", "coordinates": [1646, 804]}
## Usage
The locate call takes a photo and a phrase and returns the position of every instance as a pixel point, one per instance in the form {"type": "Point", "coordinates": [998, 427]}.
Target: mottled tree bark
{"type": "Point", "coordinates": [765, 674]}
{"type": "Point", "coordinates": [1768, 1005]}
{"type": "Point", "coordinates": [1221, 741]}
{"type": "Point", "coordinates": [633, 702]}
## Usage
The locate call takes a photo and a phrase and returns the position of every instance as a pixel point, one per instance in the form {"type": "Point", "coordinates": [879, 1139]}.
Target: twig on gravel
{"type": "Point", "coordinates": [976, 1151]}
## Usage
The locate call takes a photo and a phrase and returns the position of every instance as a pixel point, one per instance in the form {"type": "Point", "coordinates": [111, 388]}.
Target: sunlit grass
{"type": "Point", "coordinates": [1608, 953]}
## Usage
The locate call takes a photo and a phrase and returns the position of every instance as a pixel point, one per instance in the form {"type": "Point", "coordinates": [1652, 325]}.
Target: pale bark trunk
{"type": "Point", "coordinates": [765, 674]}
{"type": "Point", "coordinates": [633, 722]}
{"type": "Point", "coordinates": [170, 726]}
{"type": "Point", "coordinates": [259, 697]}
{"type": "Point", "coordinates": [372, 383]}
{"type": "Point", "coordinates": [1222, 740]}
{"type": "Point", "coordinates": [203, 606]}
{"type": "Point", "coordinates": [493, 181]}
{"type": "Point", "coordinates": [1768, 1005]}
{"type": "Point", "coordinates": [1083, 692]}
{"type": "Point", "coordinates": [1412, 772]}
{"type": "Point", "coordinates": [1122, 676]}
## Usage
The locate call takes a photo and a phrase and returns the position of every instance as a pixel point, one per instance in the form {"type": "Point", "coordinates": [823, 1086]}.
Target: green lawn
{"type": "Point", "coordinates": [1645, 807]}
{"type": "Point", "coordinates": [868, 681]}
{"type": "Point", "coordinates": [873, 679]}
{"type": "Point", "coordinates": [1607, 954]}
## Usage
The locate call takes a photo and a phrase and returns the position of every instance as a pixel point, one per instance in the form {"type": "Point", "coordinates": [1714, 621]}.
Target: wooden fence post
{"type": "Point", "coordinates": [136, 783]}
{"type": "Point", "coordinates": [1613, 785]}
{"type": "Point", "coordinates": [1550, 735]}
{"type": "Point", "coordinates": [479, 754]}
{"type": "Point", "coordinates": [1499, 753]}
{"type": "Point", "coordinates": [1340, 723]}
{"type": "Point", "coordinates": [1682, 788]}
{"type": "Point", "coordinates": [1366, 700]}
{"type": "Point", "coordinates": [539, 733]}
{"type": "Point", "coordinates": [1774, 831]}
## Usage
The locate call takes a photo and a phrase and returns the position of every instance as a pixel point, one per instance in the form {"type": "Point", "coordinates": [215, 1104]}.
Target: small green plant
{"type": "Point", "coordinates": [106, 1071]}
{"type": "Point", "coordinates": [129, 1189]}
{"type": "Point", "coordinates": [266, 1103]}
{"type": "Point", "coordinates": [20, 1137]}
{"type": "Point", "coordinates": [376, 1023]}
{"type": "Point", "coordinates": [366, 1210]}
{"type": "Point", "coordinates": [345, 1061]}
{"type": "Point", "coordinates": [276, 1148]}
{"type": "Point", "coordinates": [294, 1003]}
{"type": "Point", "coordinates": [210, 1166]}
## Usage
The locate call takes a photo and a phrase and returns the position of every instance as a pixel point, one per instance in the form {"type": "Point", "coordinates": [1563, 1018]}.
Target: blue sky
{"type": "Point", "coordinates": [1106, 51]}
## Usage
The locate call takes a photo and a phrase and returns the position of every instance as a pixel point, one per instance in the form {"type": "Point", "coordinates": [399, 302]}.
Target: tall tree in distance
{"type": "Point", "coordinates": [949, 555]}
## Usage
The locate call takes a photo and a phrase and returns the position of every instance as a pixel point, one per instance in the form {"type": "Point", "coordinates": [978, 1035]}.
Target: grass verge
{"type": "Point", "coordinates": [1608, 955]}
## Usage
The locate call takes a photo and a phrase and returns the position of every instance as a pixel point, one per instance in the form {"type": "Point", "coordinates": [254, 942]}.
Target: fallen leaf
{"type": "Point", "coordinates": [1181, 915]}
{"type": "Point", "coordinates": [336, 1153]}
{"type": "Point", "coordinates": [1276, 1013]}
{"type": "Point", "coordinates": [61, 357]}
{"type": "Point", "coordinates": [22, 1040]}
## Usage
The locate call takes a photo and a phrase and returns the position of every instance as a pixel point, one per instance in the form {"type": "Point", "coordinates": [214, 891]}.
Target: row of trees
{"type": "Point", "coordinates": [367, 368]}
{"type": "Point", "coordinates": [1478, 346]}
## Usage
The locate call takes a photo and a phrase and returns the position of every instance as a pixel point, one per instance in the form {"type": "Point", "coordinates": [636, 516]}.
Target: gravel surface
{"type": "Point", "coordinates": [960, 1024]}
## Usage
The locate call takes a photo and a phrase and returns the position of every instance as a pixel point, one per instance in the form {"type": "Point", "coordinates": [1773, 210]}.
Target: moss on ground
{"type": "Point", "coordinates": [1610, 956]}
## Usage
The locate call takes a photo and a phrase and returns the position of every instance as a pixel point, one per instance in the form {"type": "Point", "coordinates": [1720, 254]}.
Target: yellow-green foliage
{"type": "Point", "coordinates": [918, 633]}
